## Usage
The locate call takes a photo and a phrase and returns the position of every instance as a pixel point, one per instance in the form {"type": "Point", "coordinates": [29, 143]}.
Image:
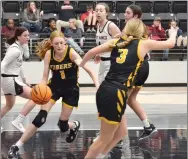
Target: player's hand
{"type": "Point", "coordinates": [97, 59]}
{"type": "Point", "coordinates": [172, 31]}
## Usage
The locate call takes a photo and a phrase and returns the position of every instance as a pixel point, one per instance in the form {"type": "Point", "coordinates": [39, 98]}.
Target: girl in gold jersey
{"type": "Point", "coordinates": [57, 47]}
{"type": "Point", "coordinates": [111, 106]}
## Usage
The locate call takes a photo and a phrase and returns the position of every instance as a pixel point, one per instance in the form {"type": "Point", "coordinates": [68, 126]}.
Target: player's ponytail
{"type": "Point", "coordinates": [42, 47]}
{"type": "Point", "coordinates": [127, 39]}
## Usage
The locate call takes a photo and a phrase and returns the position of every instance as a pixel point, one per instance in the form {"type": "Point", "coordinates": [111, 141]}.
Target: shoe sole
{"type": "Point", "coordinates": [148, 135]}
{"type": "Point", "coordinates": [16, 127]}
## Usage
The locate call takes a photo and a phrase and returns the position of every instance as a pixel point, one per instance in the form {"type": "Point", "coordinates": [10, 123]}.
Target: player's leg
{"type": "Point", "coordinates": [70, 101]}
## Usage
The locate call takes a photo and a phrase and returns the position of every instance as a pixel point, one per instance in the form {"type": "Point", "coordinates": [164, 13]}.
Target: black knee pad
{"type": "Point", "coordinates": [63, 125]}
{"type": "Point", "coordinates": [40, 119]}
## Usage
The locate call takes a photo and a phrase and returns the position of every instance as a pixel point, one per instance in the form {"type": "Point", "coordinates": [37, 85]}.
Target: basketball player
{"type": "Point", "coordinates": [127, 53]}
{"type": "Point", "coordinates": [13, 80]}
{"type": "Point", "coordinates": [134, 11]}
{"type": "Point", "coordinates": [63, 61]}
{"type": "Point", "coordinates": [106, 30]}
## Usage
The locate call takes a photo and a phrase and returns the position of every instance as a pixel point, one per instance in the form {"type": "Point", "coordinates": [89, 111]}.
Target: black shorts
{"type": "Point", "coordinates": [111, 101]}
{"type": "Point", "coordinates": [142, 74]}
{"type": "Point", "coordinates": [69, 95]}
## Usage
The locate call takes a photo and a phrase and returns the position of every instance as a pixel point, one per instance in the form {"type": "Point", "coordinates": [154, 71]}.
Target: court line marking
{"type": "Point", "coordinates": [129, 128]}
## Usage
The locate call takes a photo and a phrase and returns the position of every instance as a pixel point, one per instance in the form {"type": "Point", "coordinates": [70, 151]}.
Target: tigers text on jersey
{"type": "Point", "coordinates": [103, 36]}
{"type": "Point", "coordinates": [64, 71]}
{"type": "Point", "coordinates": [125, 63]}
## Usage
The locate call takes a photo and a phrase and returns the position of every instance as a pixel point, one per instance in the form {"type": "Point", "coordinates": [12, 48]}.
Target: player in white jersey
{"type": "Point", "coordinates": [106, 30]}
{"type": "Point", "coordinates": [13, 82]}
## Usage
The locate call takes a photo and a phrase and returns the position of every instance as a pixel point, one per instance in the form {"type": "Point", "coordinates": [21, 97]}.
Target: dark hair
{"type": "Point", "coordinates": [50, 20]}
{"type": "Point", "coordinates": [89, 6]}
{"type": "Point", "coordinates": [136, 10]}
{"type": "Point", "coordinates": [18, 32]}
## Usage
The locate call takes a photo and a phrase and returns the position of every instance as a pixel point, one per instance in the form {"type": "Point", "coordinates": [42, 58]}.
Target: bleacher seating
{"type": "Point", "coordinates": [163, 9]}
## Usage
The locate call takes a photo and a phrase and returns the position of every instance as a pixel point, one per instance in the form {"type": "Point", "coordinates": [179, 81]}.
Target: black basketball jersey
{"type": "Point", "coordinates": [124, 63]}
{"type": "Point", "coordinates": [64, 71]}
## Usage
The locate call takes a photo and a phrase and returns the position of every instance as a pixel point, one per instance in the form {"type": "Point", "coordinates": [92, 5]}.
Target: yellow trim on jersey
{"type": "Point", "coordinates": [69, 106]}
{"type": "Point", "coordinates": [65, 53]}
{"type": "Point", "coordinates": [136, 70]}
{"type": "Point", "coordinates": [139, 86]}
{"type": "Point", "coordinates": [124, 94]}
{"type": "Point", "coordinates": [70, 54]}
{"type": "Point", "coordinates": [52, 101]}
{"type": "Point", "coordinates": [118, 107]}
{"type": "Point", "coordinates": [138, 51]}
{"type": "Point", "coordinates": [120, 97]}
{"type": "Point", "coordinates": [49, 58]}
{"type": "Point", "coordinates": [49, 81]}
{"type": "Point", "coordinates": [108, 121]}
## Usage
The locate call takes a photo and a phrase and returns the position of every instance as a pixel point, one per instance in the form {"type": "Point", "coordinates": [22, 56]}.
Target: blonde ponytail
{"type": "Point", "coordinates": [42, 47]}
{"type": "Point", "coordinates": [127, 40]}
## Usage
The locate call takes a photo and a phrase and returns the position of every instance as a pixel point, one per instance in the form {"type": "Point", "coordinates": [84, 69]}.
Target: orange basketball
{"type": "Point", "coordinates": [41, 94]}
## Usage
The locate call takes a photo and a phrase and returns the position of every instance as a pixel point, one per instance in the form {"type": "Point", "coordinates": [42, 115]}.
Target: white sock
{"type": "Point", "coordinates": [20, 118]}
{"type": "Point", "coordinates": [19, 143]}
{"type": "Point", "coordinates": [146, 123]}
{"type": "Point", "coordinates": [100, 156]}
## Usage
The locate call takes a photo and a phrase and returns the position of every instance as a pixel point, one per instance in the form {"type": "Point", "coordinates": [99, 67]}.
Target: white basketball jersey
{"type": "Point", "coordinates": [9, 65]}
{"type": "Point", "coordinates": [103, 36]}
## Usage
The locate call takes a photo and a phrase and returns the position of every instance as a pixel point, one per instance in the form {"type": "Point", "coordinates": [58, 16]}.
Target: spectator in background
{"type": "Point", "coordinates": [89, 17]}
{"type": "Point", "coordinates": [65, 12]}
{"type": "Point", "coordinates": [51, 26]}
{"type": "Point", "coordinates": [8, 31]}
{"type": "Point", "coordinates": [156, 31]}
{"type": "Point", "coordinates": [31, 18]}
{"type": "Point", "coordinates": [179, 38]}
{"type": "Point", "coordinates": [73, 32]}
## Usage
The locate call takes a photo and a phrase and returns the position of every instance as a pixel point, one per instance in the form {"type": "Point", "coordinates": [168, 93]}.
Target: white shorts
{"type": "Point", "coordinates": [103, 70]}
{"type": "Point", "coordinates": [12, 85]}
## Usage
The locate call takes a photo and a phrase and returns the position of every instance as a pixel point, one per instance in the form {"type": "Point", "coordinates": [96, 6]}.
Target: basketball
{"type": "Point", "coordinates": [41, 94]}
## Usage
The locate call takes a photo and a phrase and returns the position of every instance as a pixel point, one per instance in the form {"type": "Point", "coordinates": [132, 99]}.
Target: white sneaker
{"type": "Point", "coordinates": [1, 129]}
{"type": "Point", "coordinates": [18, 125]}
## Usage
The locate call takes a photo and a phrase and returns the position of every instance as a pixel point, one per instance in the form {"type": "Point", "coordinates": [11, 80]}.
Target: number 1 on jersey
{"type": "Point", "coordinates": [123, 53]}
{"type": "Point", "coordinates": [62, 74]}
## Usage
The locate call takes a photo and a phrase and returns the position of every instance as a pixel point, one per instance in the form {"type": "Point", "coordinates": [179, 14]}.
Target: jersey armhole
{"type": "Point", "coordinates": [139, 51]}
{"type": "Point", "coordinates": [70, 54]}
{"type": "Point", "coordinates": [108, 28]}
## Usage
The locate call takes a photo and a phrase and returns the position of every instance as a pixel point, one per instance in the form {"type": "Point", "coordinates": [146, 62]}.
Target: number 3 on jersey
{"type": "Point", "coordinates": [62, 74]}
{"type": "Point", "coordinates": [123, 53]}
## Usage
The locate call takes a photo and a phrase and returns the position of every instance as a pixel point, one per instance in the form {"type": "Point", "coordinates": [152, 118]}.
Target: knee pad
{"type": "Point", "coordinates": [63, 125]}
{"type": "Point", "coordinates": [40, 119]}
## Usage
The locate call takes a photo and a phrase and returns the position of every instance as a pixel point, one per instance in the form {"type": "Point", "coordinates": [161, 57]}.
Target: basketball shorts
{"type": "Point", "coordinates": [103, 70]}
{"type": "Point", "coordinates": [142, 74]}
{"type": "Point", "coordinates": [12, 85]}
{"type": "Point", "coordinates": [69, 95]}
{"type": "Point", "coordinates": [111, 101]}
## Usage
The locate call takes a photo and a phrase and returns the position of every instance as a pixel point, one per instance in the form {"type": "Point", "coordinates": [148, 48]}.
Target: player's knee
{"type": "Point", "coordinates": [40, 119]}
{"type": "Point", "coordinates": [63, 125]}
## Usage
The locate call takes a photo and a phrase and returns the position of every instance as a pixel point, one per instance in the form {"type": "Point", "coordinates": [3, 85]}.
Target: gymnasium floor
{"type": "Point", "coordinates": [166, 108]}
